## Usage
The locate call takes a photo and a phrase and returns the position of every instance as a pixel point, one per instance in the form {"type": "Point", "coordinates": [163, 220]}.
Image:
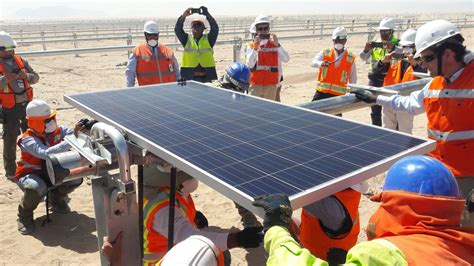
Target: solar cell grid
{"type": "Point", "coordinates": [253, 145]}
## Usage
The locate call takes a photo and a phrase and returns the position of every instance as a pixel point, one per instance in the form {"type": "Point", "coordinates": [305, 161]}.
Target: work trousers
{"type": "Point", "coordinates": [264, 91]}
{"type": "Point", "coordinates": [322, 95]}
{"type": "Point", "coordinates": [14, 122]}
{"type": "Point", "coordinates": [401, 121]}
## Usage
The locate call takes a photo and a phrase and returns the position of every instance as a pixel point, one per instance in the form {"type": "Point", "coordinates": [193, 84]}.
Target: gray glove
{"type": "Point", "coordinates": [366, 96]}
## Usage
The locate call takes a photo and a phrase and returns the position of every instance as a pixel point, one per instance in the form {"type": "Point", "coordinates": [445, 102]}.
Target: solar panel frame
{"type": "Point", "coordinates": [298, 199]}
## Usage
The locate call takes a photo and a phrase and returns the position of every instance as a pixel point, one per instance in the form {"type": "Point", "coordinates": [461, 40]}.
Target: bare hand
{"type": "Point", "coordinates": [257, 42]}
{"type": "Point", "coordinates": [22, 74]}
{"type": "Point", "coordinates": [325, 64]}
{"type": "Point", "coordinates": [112, 250]}
{"type": "Point", "coordinates": [411, 60]}
{"type": "Point", "coordinates": [187, 12]}
{"type": "Point", "coordinates": [387, 58]}
{"type": "Point", "coordinates": [367, 47]}
{"type": "Point", "coordinates": [79, 127]}
{"type": "Point", "coordinates": [275, 39]}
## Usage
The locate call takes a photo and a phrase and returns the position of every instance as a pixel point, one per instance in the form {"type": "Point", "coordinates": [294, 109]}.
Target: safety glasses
{"type": "Point", "coordinates": [428, 58]}
{"type": "Point", "coordinates": [7, 48]}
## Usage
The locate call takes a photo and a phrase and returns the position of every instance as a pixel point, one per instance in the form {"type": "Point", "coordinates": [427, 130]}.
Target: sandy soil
{"type": "Point", "coordinates": [71, 239]}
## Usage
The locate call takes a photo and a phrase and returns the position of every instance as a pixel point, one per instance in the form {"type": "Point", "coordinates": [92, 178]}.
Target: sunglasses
{"type": "Point", "coordinates": [5, 48]}
{"type": "Point", "coordinates": [263, 28]}
{"type": "Point", "coordinates": [428, 58]}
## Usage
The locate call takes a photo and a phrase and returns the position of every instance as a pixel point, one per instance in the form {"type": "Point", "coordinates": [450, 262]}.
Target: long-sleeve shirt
{"type": "Point", "coordinates": [131, 69]}
{"type": "Point", "coordinates": [412, 103]}
{"type": "Point", "coordinates": [39, 149]}
{"type": "Point", "coordinates": [251, 57]}
{"type": "Point", "coordinates": [183, 36]}
{"type": "Point", "coordinates": [183, 229]}
{"type": "Point", "coordinates": [318, 60]}
{"type": "Point", "coordinates": [284, 250]}
{"type": "Point", "coordinates": [32, 77]}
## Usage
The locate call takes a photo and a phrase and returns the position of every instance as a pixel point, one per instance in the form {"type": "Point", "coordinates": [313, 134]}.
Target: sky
{"type": "Point", "coordinates": [55, 9]}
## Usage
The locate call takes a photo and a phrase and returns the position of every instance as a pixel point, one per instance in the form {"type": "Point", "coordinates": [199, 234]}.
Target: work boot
{"type": "Point", "coordinates": [26, 225]}
{"type": "Point", "coordinates": [60, 206]}
{"type": "Point", "coordinates": [28, 204]}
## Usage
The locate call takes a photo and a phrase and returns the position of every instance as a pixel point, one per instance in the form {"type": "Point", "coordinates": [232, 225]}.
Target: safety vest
{"type": "Point", "coordinates": [265, 71]}
{"type": "Point", "coordinates": [450, 109]}
{"type": "Point", "coordinates": [425, 228]}
{"type": "Point", "coordinates": [200, 53]}
{"type": "Point", "coordinates": [151, 68]}
{"type": "Point", "coordinates": [154, 242]}
{"type": "Point", "coordinates": [408, 75]}
{"type": "Point", "coordinates": [313, 237]}
{"type": "Point", "coordinates": [394, 74]}
{"type": "Point", "coordinates": [334, 80]}
{"type": "Point", "coordinates": [7, 95]}
{"type": "Point", "coordinates": [29, 164]}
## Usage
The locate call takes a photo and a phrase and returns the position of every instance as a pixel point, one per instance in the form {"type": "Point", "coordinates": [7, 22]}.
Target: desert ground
{"type": "Point", "coordinates": [70, 239]}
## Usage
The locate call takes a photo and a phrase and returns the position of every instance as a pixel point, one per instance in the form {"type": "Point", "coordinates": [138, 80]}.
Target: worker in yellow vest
{"type": "Point", "coordinates": [198, 55]}
{"type": "Point", "coordinates": [151, 62]}
{"type": "Point", "coordinates": [264, 56]}
{"type": "Point", "coordinates": [336, 67]}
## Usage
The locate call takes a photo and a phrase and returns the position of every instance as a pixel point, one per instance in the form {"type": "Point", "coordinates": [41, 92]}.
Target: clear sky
{"type": "Point", "coordinates": [44, 9]}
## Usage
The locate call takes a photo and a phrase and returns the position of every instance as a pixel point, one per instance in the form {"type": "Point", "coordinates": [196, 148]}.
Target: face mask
{"type": "Point", "coordinates": [407, 50]}
{"type": "Point", "coordinates": [339, 46]}
{"type": "Point", "coordinates": [263, 42]}
{"type": "Point", "coordinates": [152, 42]}
{"type": "Point", "coordinates": [50, 126]}
{"type": "Point", "coordinates": [189, 186]}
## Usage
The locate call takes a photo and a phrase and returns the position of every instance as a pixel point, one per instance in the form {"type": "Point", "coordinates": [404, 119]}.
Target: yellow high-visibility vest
{"type": "Point", "coordinates": [198, 53]}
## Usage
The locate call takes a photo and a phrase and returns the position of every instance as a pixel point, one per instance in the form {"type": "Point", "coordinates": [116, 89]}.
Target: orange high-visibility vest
{"type": "Point", "coordinates": [425, 228]}
{"type": "Point", "coordinates": [151, 68]}
{"type": "Point", "coordinates": [408, 75]}
{"type": "Point", "coordinates": [450, 109]}
{"type": "Point", "coordinates": [334, 80]}
{"type": "Point", "coordinates": [394, 74]}
{"type": "Point", "coordinates": [154, 242]}
{"type": "Point", "coordinates": [265, 71]}
{"type": "Point", "coordinates": [29, 164]}
{"type": "Point", "coordinates": [313, 237]}
{"type": "Point", "coordinates": [7, 95]}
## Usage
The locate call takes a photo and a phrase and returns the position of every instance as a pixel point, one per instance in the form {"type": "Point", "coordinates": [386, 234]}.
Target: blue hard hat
{"type": "Point", "coordinates": [423, 175]}
{"type": "Point", "coordinates": [239, 75]}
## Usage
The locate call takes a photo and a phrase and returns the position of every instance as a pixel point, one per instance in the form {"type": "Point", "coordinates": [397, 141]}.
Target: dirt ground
{"type": "Point", "coordinates": [71, 239]}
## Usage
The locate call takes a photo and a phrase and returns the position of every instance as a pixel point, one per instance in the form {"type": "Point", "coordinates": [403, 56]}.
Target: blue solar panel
{"type": "Point", "coordinates": [252, 145]}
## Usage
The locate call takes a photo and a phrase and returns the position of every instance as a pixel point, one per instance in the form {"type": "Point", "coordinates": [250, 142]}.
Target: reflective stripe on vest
{"type": "Point", "coordinates": [7, 95]}
{"type": "Point", "coordinates": [332, 79]}
{"type": "Point", "coordinates": [317, 241]}
{"type": "Point", "coordinates": [154, 68]}
{"type": "Point", "coordinates": [265, 71]}
{"type": "Point", "coordinates": [154, 242]}
{"type": "Point", "coordinates": [29, 164]}
{"type": "Point", "coordinates": [200, 53]}
{"type": "Point", "coordinates": [449, 108]}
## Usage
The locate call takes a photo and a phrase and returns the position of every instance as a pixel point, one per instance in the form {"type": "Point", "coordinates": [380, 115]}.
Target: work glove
{"type": "Point", "coordinates": [204, 11]}
{"type": "Point", "coordinates": [366, 96]}
{"type": "Point", "coordinates": [250, 237]}
{"type": "Point", "coordinates": [200, 220]}
{"type": "Point", "coordinates": [277, 210]}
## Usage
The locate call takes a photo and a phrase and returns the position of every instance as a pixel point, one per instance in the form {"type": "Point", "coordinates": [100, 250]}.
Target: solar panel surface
{"type": "Point", "coordinates": [245, 146]}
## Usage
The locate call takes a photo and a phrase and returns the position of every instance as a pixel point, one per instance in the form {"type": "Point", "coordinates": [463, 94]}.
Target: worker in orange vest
{"type": "Point", "coordinates": [151, 62]}
{"type": "Point", "coordinates": [42, 138]}
{"type": "Point", "coordinates": [336, 67]}
{"type": "Point", "coordinates": [416, 223]}
{"type": "Point", "coordinates": [264, 56]}
{"type": "Point", "coordinates": [447, 100]}
{"type": "Point", "coordinates": [16, 76]}
{"type": "Point", "coordinates": [187, 220]}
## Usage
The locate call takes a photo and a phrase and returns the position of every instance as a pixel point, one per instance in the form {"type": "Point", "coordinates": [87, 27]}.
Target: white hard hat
{"type": "Point", "coordinates": [6, 41]}
{"type": "Point", "coordinates": [434, 32]}
{"type": "Point", "coordinates": [387, 24]}
{"type": "Point", "coordinates": [151, 27]}
{"type": "Point", "coordinates": [252, 28]}
{"type": "Point", "coordinates": [38, 108]}
{"type": "Point", "coordinates": [262, 19]}
{"type": "Point", "coordinates": [195, 250]}
{"type": "Point", "coordinates": [339, 33]}
{"type": "Point", "coordinates": [408, 37]}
